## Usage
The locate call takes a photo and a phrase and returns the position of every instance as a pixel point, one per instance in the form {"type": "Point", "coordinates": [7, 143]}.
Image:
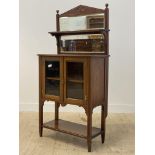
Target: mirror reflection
{"type": "Point", "coordinates": [82, 43]}
{"type": "Point", "coordinates": [82, 22]}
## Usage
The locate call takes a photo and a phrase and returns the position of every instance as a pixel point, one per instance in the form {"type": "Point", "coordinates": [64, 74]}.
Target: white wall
{"type": "Point", "coordinates": [37, 18]}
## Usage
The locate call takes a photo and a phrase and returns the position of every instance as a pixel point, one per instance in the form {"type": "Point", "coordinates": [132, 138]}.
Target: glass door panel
{"type": "Point", "coordinates": [52, 77]}
{"type": "Point", "coordinates": [52, 87]}
{"type": "Point", "coordinates": [75, 71]}
{"type": "Point", "coordinates": [74, 80]}
{"type": "Point", "coordinates": [74, 90]}
{"type": "Point", "coordinates": [52, 68]}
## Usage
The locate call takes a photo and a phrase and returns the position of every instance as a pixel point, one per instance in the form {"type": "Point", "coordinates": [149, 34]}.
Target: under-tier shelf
{"type": "Point", "coordinates": [90, 31]}
{"type": "Point", "coordinates": [71, 128]}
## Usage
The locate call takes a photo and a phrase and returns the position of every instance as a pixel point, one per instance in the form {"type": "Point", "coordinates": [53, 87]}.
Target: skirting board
{"type": "Point", "coordinates": [48, 107]}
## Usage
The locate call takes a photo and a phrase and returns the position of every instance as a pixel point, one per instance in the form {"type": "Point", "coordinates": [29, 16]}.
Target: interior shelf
{"type": "Point", "coordinates": [76, 81]}
{"type": "Point", "coordinates": [70, 80]}
{"type": "Point", "coordinates": [71, 128]}
{"type": "Point", "coordinates": [52, 78]}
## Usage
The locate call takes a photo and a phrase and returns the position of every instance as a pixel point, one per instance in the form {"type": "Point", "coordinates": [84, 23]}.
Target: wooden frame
{"type": "Point", "coordinates": [58, 35]}
{"type": "Point", "coordinates": [93, 69]}
{"type": "Point", "coordinates": [95, 96]}
{"type": "Point", "coordinates": [79, 11]}
{"type": "Point", "coordinates": [79, 102]}
{"type": "Point", "coordinates": [52, 97]}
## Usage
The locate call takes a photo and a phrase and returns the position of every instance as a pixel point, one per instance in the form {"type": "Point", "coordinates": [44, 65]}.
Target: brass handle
{"type": "Point", "coordinates": [86, 98]}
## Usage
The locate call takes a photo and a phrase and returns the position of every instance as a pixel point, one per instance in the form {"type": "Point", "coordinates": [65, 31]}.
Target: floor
{"type": "Point", "coordinates": [120, 136]}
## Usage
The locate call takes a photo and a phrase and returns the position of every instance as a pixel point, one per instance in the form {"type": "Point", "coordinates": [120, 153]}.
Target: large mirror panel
{"type": "Point", "coordinates": [82, 43]}
{"type": "Point", "coordinates": [82, 22]}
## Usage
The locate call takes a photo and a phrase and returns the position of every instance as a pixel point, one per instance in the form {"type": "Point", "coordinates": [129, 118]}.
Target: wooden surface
{"type": "Point", "coordinates": [97, 81]}
{"type": "Point", "coordinates": [75, 55]}
{"type": "Point", "coordinates": [93, 90]}
{"type": "Point", "coordinates": [87, 102]}
{"type": "Point", "coordinates": [119, 138]}
{"type": "Point", "coordinates": [72, 128]}
{"type": "Point", "coordinates": [94, 83]}
{"type": "Point", "coordinates": [93, 31]}
{"type": "Point", "coordinates": [82, 10]}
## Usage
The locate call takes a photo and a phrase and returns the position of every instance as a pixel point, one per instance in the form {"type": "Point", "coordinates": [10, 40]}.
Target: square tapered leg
{"type": "Point", "coordinates": [89, 129]}
{"type": "Point", "coordinates": [57, 110]}
{"type": "Point", "coordinates": [40, 119]}
{"type": "Point", "coordinates": [103, 122]}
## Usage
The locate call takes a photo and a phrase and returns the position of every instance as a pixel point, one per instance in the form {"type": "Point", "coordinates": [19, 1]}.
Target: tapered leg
{"type": "Point", "coordinates": [103, 121]}
{"type": "Point", "coordinates": [40, 119]}
{"type": "Point", "coordinates": [89, 129]}
{"type": "Point", "coordinates": [57, 110]}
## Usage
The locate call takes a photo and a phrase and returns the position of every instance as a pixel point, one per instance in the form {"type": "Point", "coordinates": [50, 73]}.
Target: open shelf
{"type": "Point", "coordinates": [89, 31]}
{"type": "Point", "coordinates": [82, 52]}
{"type": "Point", "coordinates": [71, 128]}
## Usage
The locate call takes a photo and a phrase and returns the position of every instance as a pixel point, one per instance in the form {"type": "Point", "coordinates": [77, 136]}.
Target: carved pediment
{"type": "Point", "coordinates": [82, 10]}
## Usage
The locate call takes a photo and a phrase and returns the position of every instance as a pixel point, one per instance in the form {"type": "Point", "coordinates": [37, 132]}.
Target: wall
{"type": "Point", "coordinates": [37, 18]}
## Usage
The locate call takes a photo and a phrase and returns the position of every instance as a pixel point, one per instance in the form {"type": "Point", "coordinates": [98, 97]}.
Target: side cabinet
{"type": "Point", "coordinates": [76, 80]}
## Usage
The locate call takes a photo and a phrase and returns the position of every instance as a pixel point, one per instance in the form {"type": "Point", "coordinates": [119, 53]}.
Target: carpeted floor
{"type": "Point", "coordinates": [120, 139]}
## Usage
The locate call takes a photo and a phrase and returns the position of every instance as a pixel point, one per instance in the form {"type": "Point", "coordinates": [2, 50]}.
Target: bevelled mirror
{"type": "Point", "coordinates": [82, 18]}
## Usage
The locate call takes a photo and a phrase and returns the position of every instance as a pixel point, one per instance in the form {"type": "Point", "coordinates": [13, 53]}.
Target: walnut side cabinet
{"type": "Point", "coordinates": [75, 79]}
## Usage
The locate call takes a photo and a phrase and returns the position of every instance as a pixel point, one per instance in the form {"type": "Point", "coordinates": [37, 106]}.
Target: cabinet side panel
{"type": "Point", "coordinates": [97, 81]}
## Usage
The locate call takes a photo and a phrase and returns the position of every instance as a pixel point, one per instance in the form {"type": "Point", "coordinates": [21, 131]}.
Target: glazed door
{"type": "Point", "coordinates": [75, 72]}
{"type": "Point", "coordinates": [52, 80]}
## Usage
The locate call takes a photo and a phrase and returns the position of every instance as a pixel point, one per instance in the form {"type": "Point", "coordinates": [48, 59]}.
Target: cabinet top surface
{"type": "Point", "coordinates": [73, 55]}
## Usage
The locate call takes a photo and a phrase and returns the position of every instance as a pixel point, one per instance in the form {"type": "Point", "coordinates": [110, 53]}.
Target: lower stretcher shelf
{"type": "Point", "coordinates": [71, 128]}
